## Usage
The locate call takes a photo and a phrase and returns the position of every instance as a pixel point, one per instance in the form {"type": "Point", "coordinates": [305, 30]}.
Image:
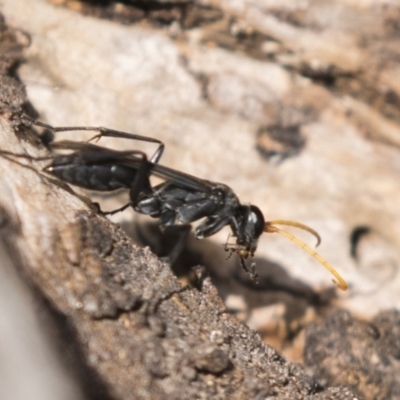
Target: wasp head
{"type": "Point", "coordinates": [247, 227]}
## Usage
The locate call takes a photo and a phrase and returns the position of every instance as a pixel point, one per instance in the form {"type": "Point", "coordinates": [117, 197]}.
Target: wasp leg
{"type": "Point", "coordinates": [101, 212]}
{"type": "Point", "coordinates": [106, 132]}
{"type": "Point", "coordinates": [183, 232]}
{"type": "Point", "coordinates": [102, 132]}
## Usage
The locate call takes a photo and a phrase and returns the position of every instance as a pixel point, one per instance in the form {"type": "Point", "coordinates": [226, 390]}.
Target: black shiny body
{"type": "Point", "coordinates": [176, 205]}
{"type": "Point", "coordinates": [178, 202]}
{"type": "Point", "coordinates": [101, 177]}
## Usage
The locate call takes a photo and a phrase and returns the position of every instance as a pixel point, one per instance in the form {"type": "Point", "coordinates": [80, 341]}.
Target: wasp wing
{"type": "Point", "coordinates": [91, 154]}
{"type": "Point", "coordinates": [180, 178]}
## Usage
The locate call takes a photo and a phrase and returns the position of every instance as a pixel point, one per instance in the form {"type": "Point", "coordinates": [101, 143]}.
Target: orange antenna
{"type": "Point", "coordinates": [297, 225]}
{"type": "Point", "coordinates": [270, 228]}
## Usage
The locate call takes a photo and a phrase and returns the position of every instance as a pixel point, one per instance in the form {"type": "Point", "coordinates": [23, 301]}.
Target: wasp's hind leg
{"type": "Point", "coordinates": [102, 132]}
{"type": "Point", "coordinates": [106, 132]}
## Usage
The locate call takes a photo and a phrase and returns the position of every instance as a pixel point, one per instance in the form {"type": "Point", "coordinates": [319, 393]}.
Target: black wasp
{"type": "Point", "coordinates": [177, 202]}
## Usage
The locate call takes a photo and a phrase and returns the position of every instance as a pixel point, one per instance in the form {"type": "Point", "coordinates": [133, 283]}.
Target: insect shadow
{"type": "Point", "coordinates": [273, 277]}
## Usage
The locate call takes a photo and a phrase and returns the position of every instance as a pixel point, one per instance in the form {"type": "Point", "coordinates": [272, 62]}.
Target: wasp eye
{"type": "Point", "coordinates": [257, 219]}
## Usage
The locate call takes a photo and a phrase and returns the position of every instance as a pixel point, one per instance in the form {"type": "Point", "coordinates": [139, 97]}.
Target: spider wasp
{"type": "Point", "coordinates": [177, 202]}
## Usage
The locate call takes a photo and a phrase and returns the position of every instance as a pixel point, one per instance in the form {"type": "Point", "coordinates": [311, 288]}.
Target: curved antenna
{"type": "Point", "coordinates": [340, 283]}
{"type": "Point", "coordinates": [297, 225]}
